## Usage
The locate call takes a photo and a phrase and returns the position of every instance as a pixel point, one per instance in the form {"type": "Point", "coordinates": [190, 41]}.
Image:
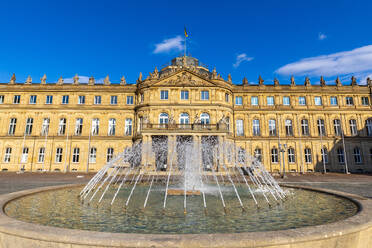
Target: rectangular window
{"type": "Point", "coordinates": [65, 99]}
{"type": "Point", "coordinates": [337, 127]}
{"type": "Point", "coordinates": [130, 100]}
{"type": "Point", "coordinates": [41, 155]}
{"type": "Point", "coordinates": [324, 153]}
{"type": "Point", "coordinates": [16, 99]}
{"type": "Point", "coordinates": [49, 99]}
{"type": "Point", "coordinates": [1, 99]}
{"type": "Point", "coordinates": [62, 126]}
{"type": "Point", "coordinates": [29, 124]}
{"type": "Point", "coordinates": [254, 101]}
{"type": "Point", "coordinates": [318, 101]}
{"type": "Point", "coordinates": [305, 127]}
{"type": "Point", "coordinates": [340, 155]}
{"type": "Point", "coordinates": [184, 94]}
{"type": "Point", "coordinates": [33, 99]}
{"type": "Point", "coordinates": [204, 95]}
{"type": "Point", "coordinates": [112, 127]}
{"type": "Point", "coordinates": [270, 101]}
{"type": "Point", "coordinates": [238, 100]}
{"type": "Point", "coordinates": [24, 157]}
{"type": "Point", "coordinates": [59, 152]}
{"type": "Point", "coordinates": [114, 100]}
{"type": "Point", "coordinates": [288, 127]}
{"type": "Point", "coordinates": [302, 101]}
{"type": "Point", "coordinates": [142, 97]}
{"type": "Point", "coordinates": [81, 100]}
{"type": "Point", "coordinates": [97, 100]}
{"type": "Point", "coordinates": [357, 155]}
{"type": "Point", "coordinates": [349, 101]}
{"type": "Point", "coordinates": [286, 101]}
{"type": "Point", "coordinates": [76, 155]}
{"type": "Point", "coordinates": [256, 127]}
{"type": "Point", "coordinates": [369, 127]}
{"type": "Point", "coordinates": [333, 101]}
{"type": "Point", "coordinates": [239, 128]}
{"type": "Point", "coordinates": [12, 126]}
{"type": "Point", "coordinates": [110, 154]}
{"type": "Point", "coordinates": [321, 127]}
{"type": "Point", "coordinates": [128, 126]}
{"type": "Point", "coordinates": [78, 126]}
{"type": "Point", "coordinates": [93, 155]}
{"type": "Point", "coordinates": [164, 95]}
{"type": "Point", "coordinates": [365, 101]}
{"type": "Point", "coordinates": [226, 97]}
{"type": "Point", "coordinates": [8, 154]}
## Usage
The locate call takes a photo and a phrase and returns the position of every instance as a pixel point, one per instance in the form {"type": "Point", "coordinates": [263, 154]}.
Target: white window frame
{"type": "Point", "coordinates": [41, 155]}
{"type": "Point", "coordinates": [111, 127]}
{"type": "Point", "coordinates": [130, 100]}
{"type": "Point", "coordinates": [324, 154]}
{"type": "Point", "coordinates": [8, 155]}
{"type": "Point", "coordinates": [184, 119]}
{"type": "Point", "coordinates": [288, 127]}
{"type": "Point", "coordinates": [291, 155]}
{"type": "Point", "coordinates": [33, 99]}
{"type": "Point", "coordinates": [274, 155]}
{"type": "Point", "coordinates": [95, 126]}
{"type": "Point", "coordinates": [238, 100]}
{"type": "Point", "coordinates": [93, 155]}
{"type": "Point", "coordinates": [308, 156]}
{"type": "Point", "coordinates": [204, 118]}
{"type": "Point", "coordinates": [184, 95]}
{"type": "Point", "coordinates": [204, 95]}
{"type": "Point", "coordinates": [2, 98]}
{"type": "Point", "coordinates": [321, 127]}
{"type": "Point", "coordinates": [45, 126]}
{"type": "Point", "coordinates": [369, 127]}
{"type": "Point", "coordinates": [353, 127]}
{"type": "Point", "coordinates": [256, 127]}
{"type": "Point", "coordinates": [239, 127]}
{"type": "Point", "coordinates": [81, 99]}
{"type": "Point", "coordinates": [62, 126]}
{"type": "Point", "coordinates": [59, 154]}
{"type": "Point", "coordinates": [272, 127]}
{"type": "Point", "coordinates": [113, 100]}
{"type": "Point", "coordinates": [128, 126]}
{"type": "Point", "coordinates": [49, 99]}
{"type": "Point", "coordinates": [110, 154]}
{"type": "Point", "coordinates": [17, 99]}
{"type": "Point", "coordinates": [78, 126]}
{"type": "Point", "coordinates": [76, 155]}
{"type": "Point", "coordinates": [12, 126]}
{"type": "Point", "coordinates": [164, 95]}
{"type": "Point", "coordinates": [318, 101]}
{"type": "Point", "coordinates": [302, 100]}
{"type": "Point", "coordinates": [254, 101]}
{"type": "Point", "coordinates": [286, 101]}
{"type": "Point", "coordinates": [97, 100]}
{"type": "Point", "coordinates": [349, 101]}
{"type": "Point", "coordinates": [340, 155]}
{"type": "Point", "coordinates": [365, 100]}
{"type": "Point", "coordinates": [305, 130]}
{"type": "Point", "coordinates": [357, 154]}
{"type": "Point", "coordinates": [29, 125]}
{"type": "Point", "coordinates": [333, 101]}
{"type": "Point", "coordinates": [24, 157]}
{"type": "Point", "coordinates": [337, 127]}
{"type": "Point", "coordinates": [65, 99]}
{"type": "Point", "coordinates": [270, 101]}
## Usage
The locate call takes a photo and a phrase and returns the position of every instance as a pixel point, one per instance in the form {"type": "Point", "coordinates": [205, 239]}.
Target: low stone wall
{"type": "Point", "coordinates": [355, 232]}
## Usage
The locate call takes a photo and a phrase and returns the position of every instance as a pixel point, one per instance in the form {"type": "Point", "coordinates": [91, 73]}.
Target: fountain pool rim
{"type": "Point", "coordinates": [355, 230]}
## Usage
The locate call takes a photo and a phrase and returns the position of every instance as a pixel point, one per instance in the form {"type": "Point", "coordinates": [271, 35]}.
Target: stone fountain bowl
{"type": "Point", "coordinates": [355, 231]}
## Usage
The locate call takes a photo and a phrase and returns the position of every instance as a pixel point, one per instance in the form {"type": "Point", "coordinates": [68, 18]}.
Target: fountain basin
{"type": "Point", "coordinates": [182, 192]}
{"type": "Point", "coordinates": [355, 231]}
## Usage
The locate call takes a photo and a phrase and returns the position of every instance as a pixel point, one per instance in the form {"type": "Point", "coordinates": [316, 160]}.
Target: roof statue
{"type": "Point", "coordinates": [219, 77]}
{"type": "Point", "coordinates": [229, 78]}
{"type": "Point", "coordinates": [245, 81]}
{"type": "Point", "coordinates": [155, 74]}
{"type": "Point", "coordinates": [91, 81]}
{"type": "Point", "coordinates": [369, 81]}
{"type": "Point", "coordinates": [60, 80]}
{"type": "Point", "coordinates": [338, 82]}
{"type": "Point", "coordinates": [293, 82]}
{"type": "Point", "coordinates": [276, 82]}
{"type": "Point", "coordinates": [139, 80]}
{"type": "Point", "coordinates": [260, 80]}
{"type": "Point", "coordinates": [322, 81]}
{"type": "Point", "coordinates": [43, 79]}
{"type": "Point", "coordinates": [28, 80]}
{"type": "Point", "coordinates": [214, 73]}
{"type": "Point", "coordinates": [12, 79]}
{"type": "Point", "coordinates": [353, 81]}
{"type": "Point", "coordinates": [123, 81]}
{"type": "Point", "coordinates": [76, 79]}
{"type": "Point", "coordinates": [307, 81]}
{"type": "Point", "coordinates": [106, 81]}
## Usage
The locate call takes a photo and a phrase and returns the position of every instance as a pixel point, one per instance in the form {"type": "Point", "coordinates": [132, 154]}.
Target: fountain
{"type": "Point", "coordinates": [153, 194]}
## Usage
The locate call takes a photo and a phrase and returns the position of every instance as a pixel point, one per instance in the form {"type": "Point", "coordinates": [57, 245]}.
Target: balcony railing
{"type": "Point", "coordinates": [186, 127]}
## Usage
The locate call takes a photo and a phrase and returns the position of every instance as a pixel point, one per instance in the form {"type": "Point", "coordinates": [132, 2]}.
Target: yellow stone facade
{"type": "Point", "coordinates": [176, 101]}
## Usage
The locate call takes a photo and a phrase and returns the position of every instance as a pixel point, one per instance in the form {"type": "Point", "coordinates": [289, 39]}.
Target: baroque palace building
{"type": "Point", "coordinates": [80, 127]}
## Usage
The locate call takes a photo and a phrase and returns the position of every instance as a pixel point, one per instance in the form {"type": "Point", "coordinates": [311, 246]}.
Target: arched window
{"type": "Point", "coordinates": [337, 127]}
{"type": "Point", "coordinates": [112, 127]}
{"type": "Point", "coordinates": [204, 118]}
{"type": "Point", "coordinates": [357, 155]}
{"type": "Point", "coordinates": [184, 118]}
{"type": "Point", "coordinates": [256, 127]}
{"type": "Point", "coordinates": [258, 154]}
{"type": "Point", "coordinates": [272, 127]}
{"type": "Point", "coordinates": [92, 155]}
{"type": "Point", "coordinates": [353, 127]}
{"type": "Point", "coordinates": [340, 155]}
{"type": "Point", "coordinates": [163, 118]}
{"type": "Point", "coordinates": [128, 126]}
{"type": "Point", "coordinates": [369, 127]}
{"type": "Point", "coordinates": [274, 155]}
{"type": "Point", "coordinates": [95, 126]}
{"type": "Point", "coordinates": [288, 127]}
{"type": "Point", "coordinates": [291, 155]}
{"type": "Point", "coordinates": [308, 158]}
{"type": "Point", "coordinates": [305, 127]}
{"type": "Point", "coordinates": [239, 127]}
{"type": "Point", "coordinates": [321, 127]}
{"type": "Point", "coordinates": [324, 153]}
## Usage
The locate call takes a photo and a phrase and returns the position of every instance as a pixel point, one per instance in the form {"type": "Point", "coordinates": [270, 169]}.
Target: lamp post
{"type": "Point", "coordinates": [282, 148]}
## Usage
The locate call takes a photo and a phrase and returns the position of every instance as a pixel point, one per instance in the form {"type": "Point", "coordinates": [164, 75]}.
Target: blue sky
{"type": "Point", "coordinates": [244, 38]}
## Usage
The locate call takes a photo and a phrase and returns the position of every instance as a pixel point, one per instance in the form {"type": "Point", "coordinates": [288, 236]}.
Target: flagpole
{"type": "Point", "coordinates": [185, 46]}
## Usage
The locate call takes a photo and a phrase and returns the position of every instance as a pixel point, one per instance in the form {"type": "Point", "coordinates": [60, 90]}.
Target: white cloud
{"type": "Point", "coordinates": [322, 36]}
{"type": "Point", "coordinates": [241, 58]}
{"type": "Point", "coordinates": [82, 80]}
{"type": "Point", "coordinates": [356, 62]}
{"type": "Point", "coordinates": [167, 45]}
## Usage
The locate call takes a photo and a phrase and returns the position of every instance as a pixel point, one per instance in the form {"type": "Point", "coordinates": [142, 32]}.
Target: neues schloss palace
{"type": "Point", "coordinates": [80, 127]}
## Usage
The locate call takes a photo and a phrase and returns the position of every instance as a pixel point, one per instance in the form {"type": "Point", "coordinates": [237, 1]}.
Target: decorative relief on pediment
{"type": "Point", "coordinates": [185, 78]}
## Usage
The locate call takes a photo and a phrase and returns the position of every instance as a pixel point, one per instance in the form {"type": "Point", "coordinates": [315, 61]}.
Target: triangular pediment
{"type": "Point", "coordinates": [184, 78]}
